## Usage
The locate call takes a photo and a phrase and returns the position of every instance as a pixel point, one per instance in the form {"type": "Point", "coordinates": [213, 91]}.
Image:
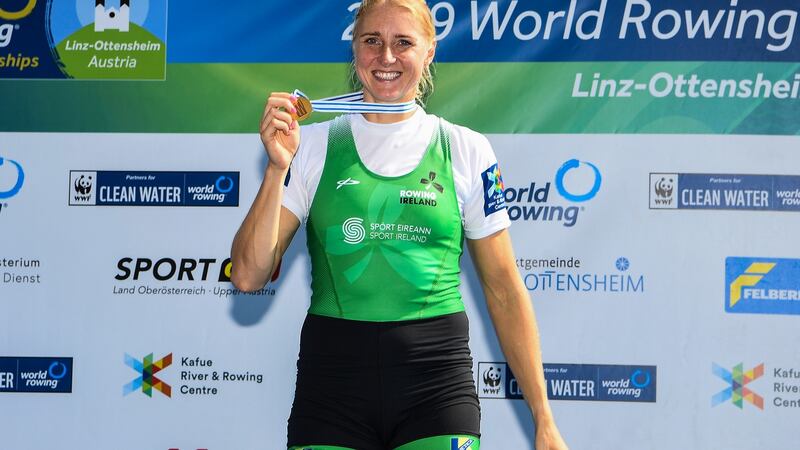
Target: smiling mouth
{"type": "Point", "coordinates": [385, 76]}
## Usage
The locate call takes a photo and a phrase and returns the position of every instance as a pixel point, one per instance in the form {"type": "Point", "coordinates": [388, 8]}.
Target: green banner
{"type": "Point", "coordinates": [580, 97]}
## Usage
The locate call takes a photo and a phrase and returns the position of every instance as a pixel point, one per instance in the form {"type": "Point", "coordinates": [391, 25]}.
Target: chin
{"type": "Point", "coordinates": [389, 97]}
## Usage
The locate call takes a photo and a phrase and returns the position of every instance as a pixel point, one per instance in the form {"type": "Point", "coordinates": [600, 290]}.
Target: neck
{"type": "Point", "coordinates": [387, 118]}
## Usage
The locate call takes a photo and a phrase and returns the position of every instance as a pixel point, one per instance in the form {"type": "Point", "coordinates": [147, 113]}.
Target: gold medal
{"type": "Point", "coordinates": [349, 103]}
{"type": "Point", "coordinates": [303, 108]}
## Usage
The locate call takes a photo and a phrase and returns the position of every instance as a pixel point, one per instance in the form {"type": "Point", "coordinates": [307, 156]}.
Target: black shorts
{"type": "Point", "coordinates": [379, 385]}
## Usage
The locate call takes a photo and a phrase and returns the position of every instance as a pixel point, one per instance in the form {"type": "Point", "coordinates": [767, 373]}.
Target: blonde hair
{"type": "Point", "coordinates": [420, 10]}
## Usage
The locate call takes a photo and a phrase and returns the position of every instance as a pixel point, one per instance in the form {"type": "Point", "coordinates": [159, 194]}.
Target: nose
{"type": "Point", "coordinates": [387, 57]}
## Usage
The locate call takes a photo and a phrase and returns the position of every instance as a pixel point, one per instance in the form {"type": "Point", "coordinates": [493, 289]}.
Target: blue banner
{"type": "Point", "coordinates": [61, 38]}
{"type": "Point", "coordinates": [588, 382]}
{"type": "Point", "coordinates": [129, 188]}
{"type": "Point", "coordinates": [724, 191]}
{"type": "Point", "coordinates": [40, 375]}
{"type": "Point", "coordinates": [504, 30]}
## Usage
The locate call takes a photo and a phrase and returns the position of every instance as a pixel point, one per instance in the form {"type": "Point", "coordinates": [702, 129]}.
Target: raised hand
{"type": "Point", "coordinates": [280, 132]}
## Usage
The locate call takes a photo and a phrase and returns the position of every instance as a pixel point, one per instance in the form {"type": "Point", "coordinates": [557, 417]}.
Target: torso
{"type": "Point", "coordinates": [385, 248]}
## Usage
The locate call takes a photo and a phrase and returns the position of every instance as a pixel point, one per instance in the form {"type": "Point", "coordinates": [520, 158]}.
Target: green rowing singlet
{"type": "Point", "coordinates": [384, 248]}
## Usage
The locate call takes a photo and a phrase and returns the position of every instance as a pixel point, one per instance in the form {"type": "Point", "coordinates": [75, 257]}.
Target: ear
{"type": "Point", "coordinates": [431, 53]}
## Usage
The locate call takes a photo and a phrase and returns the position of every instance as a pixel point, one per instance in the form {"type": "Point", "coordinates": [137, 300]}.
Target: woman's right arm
{"type": "Point", "coordinates": [268, 227]}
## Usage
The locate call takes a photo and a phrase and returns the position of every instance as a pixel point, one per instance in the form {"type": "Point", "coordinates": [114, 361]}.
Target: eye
{"type": "Point", "coordinates": [405, 43]}
{"type": "Point", "coordinates": [372, 41]}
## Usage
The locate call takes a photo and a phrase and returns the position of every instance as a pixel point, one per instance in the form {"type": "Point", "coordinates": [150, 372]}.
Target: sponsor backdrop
{"type": "Point", "coordinates": [649, 165]}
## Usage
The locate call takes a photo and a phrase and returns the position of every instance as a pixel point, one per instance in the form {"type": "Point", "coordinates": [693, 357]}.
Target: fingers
{"type": "Point", "coordinates": [278, 119]}
{"type": "Point", "coordinates": [278, 114]}
{"type": "Point", "coordinates": [272, 125]}
{"type": "Point", "coordinates": [278, 100]}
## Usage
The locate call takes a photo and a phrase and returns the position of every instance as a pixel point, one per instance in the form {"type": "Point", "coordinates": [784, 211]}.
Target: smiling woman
{"type": "Point", "coordinates": [392, 51]}
{"type": "Point", "coordinates": [388, 199]}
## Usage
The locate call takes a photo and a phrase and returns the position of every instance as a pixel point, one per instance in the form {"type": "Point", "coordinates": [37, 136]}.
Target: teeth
{"type": "Point", "coordinates": [386, 76]}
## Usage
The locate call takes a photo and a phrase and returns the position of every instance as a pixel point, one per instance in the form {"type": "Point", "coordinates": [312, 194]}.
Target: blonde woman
{"type": "Point", "coordinates": [387, 200]}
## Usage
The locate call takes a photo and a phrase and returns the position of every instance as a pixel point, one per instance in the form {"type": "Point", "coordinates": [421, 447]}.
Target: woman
{"type": "Point", "coordinates": [387, 199]}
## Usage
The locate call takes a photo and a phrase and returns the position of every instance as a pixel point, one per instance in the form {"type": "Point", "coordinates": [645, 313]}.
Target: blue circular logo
{"type": "Point", "coordinates": [640, 374]}
{"type": "Point", "coordinates": [52, 370]}
{"type": "Point", "coordinates": [221, 181]}
{"type": "Point", "coordinates": [18, 184]}
{"type": "Point", "coordinates": [622, 264]}
{"type": "Point", "coordinates": [573, 164]}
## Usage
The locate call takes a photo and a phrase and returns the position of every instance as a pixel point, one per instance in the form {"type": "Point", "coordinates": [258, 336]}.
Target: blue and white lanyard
{"type": "Point", "coordinates": [354, 103]}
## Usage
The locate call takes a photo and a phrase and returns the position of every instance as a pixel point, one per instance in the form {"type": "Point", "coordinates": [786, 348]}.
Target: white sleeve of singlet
{"type": "Point", "coordinates": [477, 177]}
{"type": "Point", "coordinates": [304, 173]}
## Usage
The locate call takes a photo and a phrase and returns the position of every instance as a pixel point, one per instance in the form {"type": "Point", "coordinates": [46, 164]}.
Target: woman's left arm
{"type": "Point", "coordinates": [515, 324]}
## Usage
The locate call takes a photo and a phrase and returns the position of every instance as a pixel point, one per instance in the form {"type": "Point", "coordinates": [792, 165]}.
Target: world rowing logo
{"type": "Point", "coordinates": [8, 190]}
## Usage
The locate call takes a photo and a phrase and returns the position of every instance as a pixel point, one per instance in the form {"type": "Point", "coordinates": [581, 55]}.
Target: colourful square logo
{"type": "Point", "coordinates": [737, 391]}
{"type": "Point", "coordinates": [493, 190]}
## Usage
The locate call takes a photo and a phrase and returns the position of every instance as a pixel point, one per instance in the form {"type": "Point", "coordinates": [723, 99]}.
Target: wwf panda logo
{"type": "Point", "coordinates": [664, 187]}
{"type": "Point", "coordinates": [491, 377]}
{"type": "Point", "coordinates": [83, 185]}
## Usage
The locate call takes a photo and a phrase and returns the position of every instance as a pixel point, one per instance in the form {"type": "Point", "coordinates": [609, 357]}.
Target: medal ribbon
{"type": "Point", "coordinates": [354, 103]}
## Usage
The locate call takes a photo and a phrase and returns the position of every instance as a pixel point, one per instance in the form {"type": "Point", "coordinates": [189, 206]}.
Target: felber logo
{"type": "Point", "coordinates": [762, 285]}
{"type": "Point", "coordinates": [754, 273]}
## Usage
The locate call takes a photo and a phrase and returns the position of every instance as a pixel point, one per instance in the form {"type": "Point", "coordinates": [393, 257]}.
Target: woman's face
{"type": "Point", "coordinates": [391, 52]}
